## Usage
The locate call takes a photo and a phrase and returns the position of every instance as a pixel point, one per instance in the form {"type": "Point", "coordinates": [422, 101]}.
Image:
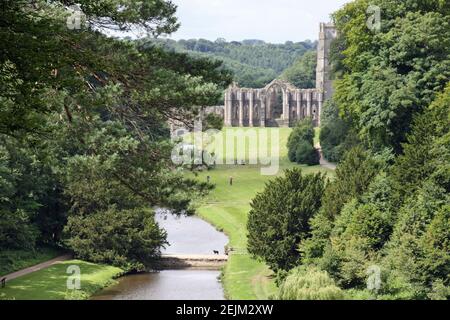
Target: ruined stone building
{"type": "Point", "coordinates": [280, 104]}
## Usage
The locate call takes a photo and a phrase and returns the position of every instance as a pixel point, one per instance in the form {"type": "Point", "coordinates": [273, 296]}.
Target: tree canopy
{"type": "Point", "coordinates": [381, 230]}
{"type": "Point", "coordinates": [83, 126]}
{"type": "Point", "coordinates": [254, 63]}
{"type": "Point", "coordinates": [302, 73]}
{"type": "Point", "coordinates": [389, 75]}
{"type": "Point", "coordinates": [279, 217]}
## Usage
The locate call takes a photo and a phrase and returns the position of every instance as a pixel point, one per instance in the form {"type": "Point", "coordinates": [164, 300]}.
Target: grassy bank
{"type": "Point", "coordinates": [227, 207]}
{"type": "Point", "coordinates": [51, 283]}
{"type": "Point", "coordinates": [14, 260]}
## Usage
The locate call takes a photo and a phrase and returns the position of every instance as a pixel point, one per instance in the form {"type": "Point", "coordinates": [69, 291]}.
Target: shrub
{"type": "Point", "coordinates": [419, 248]}
{"type": "Point", "coordinates": [213, 121]}
{"type": "Point", "coordinates": [347, 261]}
{"type": "Point", "coordinates": [16, 232]}
{"type": "Point", "coordinates": [313, 248]}
{"type": "Point", "coordinates": [301, 144]}
{"type": "Point", "coordinates": [306, 154]}
{"type": "Point", "coordinates": [397, 286]}
{"type": "Point", "coordinates": [76, 295]}
{"type": "Point", "coordinates": [435, 246]}
{"type": "Point", "coordinates": [336, 137]}
{"type": "Point", "coordinates": [353, 177]}
{"type": "Point", "coordinates": [279, 217]}
{"type": "Point", "coordinates": [440, 291]}
{"type": "Point", "coordinates": [131, 239]}
{"type": "Point", "coordinates": [309, 284]}
{"type": "Point", "coordinates": [370, 223]}
{"type": "Point", "coordinates": [13, 260]}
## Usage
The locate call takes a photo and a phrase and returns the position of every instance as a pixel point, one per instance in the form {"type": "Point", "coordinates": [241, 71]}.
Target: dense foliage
{"type": "Point", "coordinates": [213, 121]}
{"type": "Point", "coordinates": [301, 144]}
{"type": "Point", "coordinates": [388, 76]}
{"type": "Point", "coordinates": [131, 238]}
{"type": "Point", "coordinates": [336, 135]}
{"type": "Point", "coordinates": [382, 229]}
{"type": "Point", "coordinates": [302, 73]}
{"type": "Point", "coordinates": [389, 214]}
{"type": "Point", "coordinates": [254, 63]}
{"type": "Point", "coordinates": [13, 260]}
{"type": "Point", "coordinates": [386, 223]}
{"type": "Point", "coordinates": [279, 217]}
{"type": "Point", "coordinates": [85, 148]}
{"type": "Point", "coordinates": [309, 284]}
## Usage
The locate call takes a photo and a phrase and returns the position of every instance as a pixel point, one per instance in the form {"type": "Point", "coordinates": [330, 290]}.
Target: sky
{"type": "Point", "coordinates": [275, 21]}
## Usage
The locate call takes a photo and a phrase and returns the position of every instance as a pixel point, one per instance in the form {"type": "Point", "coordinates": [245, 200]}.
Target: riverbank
{"type": "Point", "coordinates": [51, 283]}
{"type": "Point", "coordinates": [188, 269]}
{"type": "Point", "coordinates": [226, 207]}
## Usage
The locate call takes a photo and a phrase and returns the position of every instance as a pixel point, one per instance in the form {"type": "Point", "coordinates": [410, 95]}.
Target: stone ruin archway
{"type": "Point", "coordinates": [275, 103]}
{"type": "Point", "coordinates": [247, 107]}
{"type": "Point", "coordinates": [278, 101]}
{"type": "Point", "coordinates": [279, 104]}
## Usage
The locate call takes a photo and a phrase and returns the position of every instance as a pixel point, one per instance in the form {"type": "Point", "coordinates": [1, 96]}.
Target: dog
{"type": "Point", "coordinates": [216, 252]}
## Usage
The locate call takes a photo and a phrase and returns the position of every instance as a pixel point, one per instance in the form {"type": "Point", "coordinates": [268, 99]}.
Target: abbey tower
{"type": "Point", "coordinates": [323, 77]}
{"type": "Point", "coordinates": [249, 107]}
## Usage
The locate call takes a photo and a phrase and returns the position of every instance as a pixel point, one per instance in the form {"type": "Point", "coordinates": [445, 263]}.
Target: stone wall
{"type": "Point", "coordinates": [245, 107]}
{"type": "Point", "coordinates": [280, 104]}
{"type": "Point", "coordinates": [218, 110]}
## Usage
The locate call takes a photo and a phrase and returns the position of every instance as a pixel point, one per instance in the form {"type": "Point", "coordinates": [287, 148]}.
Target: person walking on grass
{"type": "Point", "coordinates": [231, 181]}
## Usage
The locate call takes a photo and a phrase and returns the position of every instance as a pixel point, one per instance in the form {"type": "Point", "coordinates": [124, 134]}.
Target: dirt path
{"type": "Point", "coordinates": [324, 162]}
{"type": "Point", "coordinates": [37, 267]}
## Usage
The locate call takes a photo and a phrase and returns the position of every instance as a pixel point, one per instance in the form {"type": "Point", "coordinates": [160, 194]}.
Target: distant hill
{"type": "Point", "coordinates": [253, 62]}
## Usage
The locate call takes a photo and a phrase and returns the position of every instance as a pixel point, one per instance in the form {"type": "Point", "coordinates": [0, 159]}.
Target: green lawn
{"type": "Point", "coordinates": [13, 260]}
{"type": "Point", "coordinates": [317, 136]}
{"type": "Point", "coordinates": [227, 207]}
{"type": "Point", "coordinates": [51, 283]}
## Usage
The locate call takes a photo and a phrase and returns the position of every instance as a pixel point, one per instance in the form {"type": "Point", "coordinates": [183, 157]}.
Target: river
{"type": "Point", "coordinates": [186, 235]}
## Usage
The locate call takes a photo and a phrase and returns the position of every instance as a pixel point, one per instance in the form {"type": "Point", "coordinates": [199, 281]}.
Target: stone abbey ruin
{"type": "Point", "coordinates": [280, 104]}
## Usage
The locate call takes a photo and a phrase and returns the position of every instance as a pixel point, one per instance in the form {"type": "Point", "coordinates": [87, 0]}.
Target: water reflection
{"type": "Point", "coordinates": [166, 285]}
{"type": "Point", "coordinates": [186, 235]}
{"type": "Point", "coordinates": [190, 235]}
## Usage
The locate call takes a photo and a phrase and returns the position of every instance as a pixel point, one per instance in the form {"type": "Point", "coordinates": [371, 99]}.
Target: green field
{"type": "Point", "coordinates": [317, 136]}
{"type": "Point", "coordinates": [51, 283]}
{"type": "Point", "coordinates": [227, 207]}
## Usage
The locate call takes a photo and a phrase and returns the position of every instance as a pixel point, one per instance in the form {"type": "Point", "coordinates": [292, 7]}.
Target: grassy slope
{"type": "Point", "coordinates": [317, 136]}
{"type": "Point", "coordinates": [13, 260]}
{"type": "Point", "coordinates": [227, 208]}
{"type": "Point", "coordinates": [51, 283]}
